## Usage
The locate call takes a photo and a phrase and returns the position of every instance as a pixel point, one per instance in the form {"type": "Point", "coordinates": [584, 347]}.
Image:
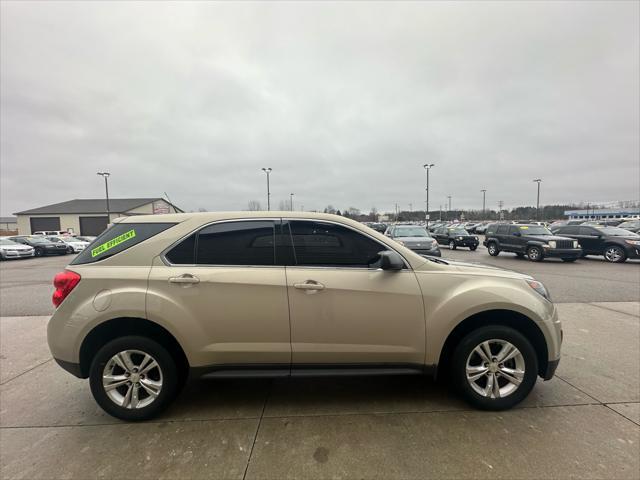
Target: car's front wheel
{"type": "Point", "coordinates": [452, 245]}
{"type": "Point", "coordinates": [534, 254]}
{"type": "Point", "coordinates": [494, 367]}
{"type": "Point", "coordinates": [133, 378]}
{"type": "Point", "coordinates": [493, 249]}
{"type": "Point", "coordinates": [614, 254]}
{"type": "Point", "coordinates": [473, 248]}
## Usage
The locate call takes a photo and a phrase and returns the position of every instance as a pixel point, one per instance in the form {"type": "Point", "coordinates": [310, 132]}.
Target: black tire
{"type": "Point", "coordinates": [465, 349]}
{"type": "Point", "coordinates": [614, 254]}
{"type": "Point", "coordinates": [473, 249]}
{"type": "Point", "coordinates": [534, 253]}
{"type": "Point", "coordinates": [492, 248]}
{"type": "Point", "coordinates": [452, 245]}
{"type": "Point", "coordinates": [569, 260]}
{"type": "Point", "coordinates": [167, 366]}
{"type": "Point", "coordinates": [38, 252]}
{"type": "Point", "coordinates": [69, 249]}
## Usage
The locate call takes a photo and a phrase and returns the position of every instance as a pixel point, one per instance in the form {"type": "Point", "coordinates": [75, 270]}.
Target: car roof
{"type": "Point", "coordinates": [216, 216]}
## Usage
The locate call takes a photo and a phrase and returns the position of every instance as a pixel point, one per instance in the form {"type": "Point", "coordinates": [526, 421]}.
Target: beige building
{"type": "Point", "coordinates": [88, 216]}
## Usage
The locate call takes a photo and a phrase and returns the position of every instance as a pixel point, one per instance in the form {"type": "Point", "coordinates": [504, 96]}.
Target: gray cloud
{"type": "Point", "coordinates": [345, 101]}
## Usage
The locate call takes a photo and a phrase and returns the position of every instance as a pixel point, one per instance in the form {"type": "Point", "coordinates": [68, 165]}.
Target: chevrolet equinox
{"type": "Point", "coordinates": [156, 298]}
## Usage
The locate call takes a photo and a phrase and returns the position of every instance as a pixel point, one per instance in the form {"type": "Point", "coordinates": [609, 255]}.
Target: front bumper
{"type": "Point", "coordinates": [466, 242]}
{"type": "Point", "coordinates": [18, 254]}
{"type": "Point", "coordinates": [632, 252]}
{"type": "Point", "coordinates": [562, 252]}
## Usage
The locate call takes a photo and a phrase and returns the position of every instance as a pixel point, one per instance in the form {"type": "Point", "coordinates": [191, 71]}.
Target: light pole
{"type": "Point", "coordinates": [427, 167]}
{"type": "Point", "coordinates": [484, 193]}
{"type": "Point", "coordinates": [105, 175]}
{"type": "Point", "coordinates": [538, 181]}
{"type": "Point", "coordinates": [449, 197]}
{"type": "Point", "coordinates": [291, 200]}
{"type": "Point", "coordinates": [267, 170]}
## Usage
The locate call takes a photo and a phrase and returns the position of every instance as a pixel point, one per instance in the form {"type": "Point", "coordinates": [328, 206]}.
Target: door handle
{"type": "Point", "coordinates": [187, 278]}
{"type": "Point", "coordinates": [309, 285]}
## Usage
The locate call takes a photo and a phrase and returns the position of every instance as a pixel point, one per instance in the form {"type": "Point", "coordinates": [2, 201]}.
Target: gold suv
{"type": "Point", "coordinates": [156, 298]}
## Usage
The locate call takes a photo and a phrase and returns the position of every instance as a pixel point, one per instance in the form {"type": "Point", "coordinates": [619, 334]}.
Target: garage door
{"type": "Point", "coordinates": [93, 226]}
{"type": "Point", "coordinates": [40, 224]}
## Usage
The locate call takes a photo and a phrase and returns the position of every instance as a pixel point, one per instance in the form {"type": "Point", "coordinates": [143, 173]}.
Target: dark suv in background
{"type": "Point", "coordinates": [533, 241]}
{"type": "Point", "coordinates": [616, 244]}
{"type": "Point", "coordinates": [455, 236]}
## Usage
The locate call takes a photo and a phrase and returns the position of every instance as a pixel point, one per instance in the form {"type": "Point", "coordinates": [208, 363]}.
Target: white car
{"type": "Point", "coordinates": [9, 249]}
{"type": "Point", "coordinates": [74, 245]}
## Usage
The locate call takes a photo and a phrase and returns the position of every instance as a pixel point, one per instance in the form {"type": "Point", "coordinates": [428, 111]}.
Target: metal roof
{"type": "Point", "coordinates": [92, 205]}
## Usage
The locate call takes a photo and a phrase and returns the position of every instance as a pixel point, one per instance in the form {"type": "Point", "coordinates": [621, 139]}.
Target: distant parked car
{"type": "Point", "coordinates": [74, 245]}
{"type": "Point", "coordinates": [455, 236]}
{"type": "Point", "coordinates": [10, 249]}
{"type": "Point", "coordinates": [534, 241]}
{"type": "Point", "coordinates": [415, 238]}
{"type": "Point", "coordinates": [85, 238]}
{"type": "Point", "coordinates": [378, 227]}
{"type": "Point", "coordinates": [633, 226]}
{"type": "Point", "coordinates": [481, 228]}
{"type": "Point", "coordinates": [616, 244]}
{"type": "Point", "coordinates": [47, 233]}
{"type": "Point", "coordinates": [41, 245]}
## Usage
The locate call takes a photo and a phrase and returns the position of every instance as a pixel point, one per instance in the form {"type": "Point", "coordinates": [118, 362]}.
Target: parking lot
{"type": "Point", "coordinates": [585, 423]}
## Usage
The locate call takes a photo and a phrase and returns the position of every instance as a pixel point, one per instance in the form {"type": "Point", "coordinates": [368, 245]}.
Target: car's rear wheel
{"type": "Point", "coordinates": [473, 248]}
{"type": "Point", "coordinates": [133, 378]}
{"type": "Point", "coordinates": [614, 254]}
{"type": "Point", "coordinates": [452, 245]}
{"type": "Point", "coordinates": [493, 249]}
{"type": "Point", "coordinates": [534, 254]}
{"type": "Point", "coordinates": [494, 367]}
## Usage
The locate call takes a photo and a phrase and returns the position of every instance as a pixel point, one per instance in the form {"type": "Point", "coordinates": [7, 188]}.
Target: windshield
{"type": "Point", "coordinates": [535, 230]}
{"type": "Point", "coordinates": [410, 232]}
{"type": "Point", "coordinates": [458, 231]}
{"type": "Point", "coordinates": [4, 241]}
{"type": "Point", "coordinates": [629, 225]}
{"type": "Point", "coordinates": [616, 232]}
{"type": "Point", "coordinates": [38, 240]}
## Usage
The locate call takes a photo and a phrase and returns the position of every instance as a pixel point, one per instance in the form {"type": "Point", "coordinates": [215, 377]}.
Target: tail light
{"type": "Point", "coordinates": [64, 283]}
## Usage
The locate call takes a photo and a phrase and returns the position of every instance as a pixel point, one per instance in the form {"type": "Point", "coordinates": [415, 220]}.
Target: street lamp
{"type": "Point", "coordinates": [105, 175]}
{"type": "Point", "coordinates": [449, 197]}
{"type": "Point", "coordinates": [427, 167]}
{"type": "Point", "coordinates": [291, 200]}
{"type": "Point", "coordinates": [538, 181]}
{"type": "Point", "coordinates": [268, 171]}
{"type": "Point", "coordinates": [484, 193]}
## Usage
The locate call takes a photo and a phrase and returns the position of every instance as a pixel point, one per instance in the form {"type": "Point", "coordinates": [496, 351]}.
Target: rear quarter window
{"type": "Point", "coordinates": [119, 238]}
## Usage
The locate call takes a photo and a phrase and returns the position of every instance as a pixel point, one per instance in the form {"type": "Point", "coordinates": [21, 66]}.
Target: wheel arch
{"type": "Point", "coordinates": [123, 326]}
{"type": "Point", "coordinates": [508, 318]}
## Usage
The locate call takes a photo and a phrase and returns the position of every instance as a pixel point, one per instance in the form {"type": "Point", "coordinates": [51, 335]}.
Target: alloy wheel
{"type": "Point", "coordinates": [495, 368]}
{"type": "Point", "coordinates": [613, 254]}
{"type": "Point", "coordinates": [132, 379]}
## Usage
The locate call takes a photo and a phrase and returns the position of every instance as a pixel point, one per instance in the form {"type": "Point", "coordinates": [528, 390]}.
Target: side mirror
{"type": "Point", "coordinates": [390, 260]}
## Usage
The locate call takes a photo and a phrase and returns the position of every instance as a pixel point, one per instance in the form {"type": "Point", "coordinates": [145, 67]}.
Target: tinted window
{"type": "Point", "coordinates": [237, 243]}
{"type": "Point", "coordinates": [513, 229]}
{"type": "Point", "coordinates": [571, 230]}
{"type": "Point", "coordinates": [587, 231]}
{"type": "Point", "coordinates": [118, 238]}
{"type": "Point", "coordinates": [327, 244]}
{"type": "Point", "coordinates": [502, 229]}
{"type": "Point", "coordinates": [491, 229]}
{"type": "Point", "coordinates": [184, 253]}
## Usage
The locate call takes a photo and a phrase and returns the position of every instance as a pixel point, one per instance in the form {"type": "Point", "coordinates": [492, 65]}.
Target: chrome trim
{"type": "Point", "coordinates": [166, 261]}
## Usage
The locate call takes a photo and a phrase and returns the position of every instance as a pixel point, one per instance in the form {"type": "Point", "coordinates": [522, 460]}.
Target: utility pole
{"type": "Point", "coordinates": [396, 213]}
{"type": "Point", "coordinates": [538, 181]}
{"type": "Point", "coordinates": [411, 207]}
{"type": "Point", "coordinates": [291, 200]}
{"type": "Point", "coordinates": [267, 170]}
{"type": "Point", "coordinates": [484, 192]}
{"type": "Point", "coordinates": [105, 175]}
{"type": "Point", "coordinates": [440, 212]}
{"type": "Point", "coordinates": [427, 167]}
{"type": "Point", "coordinates": [449, 197]}
{"type": "Point", "coordinates": [500, 205]}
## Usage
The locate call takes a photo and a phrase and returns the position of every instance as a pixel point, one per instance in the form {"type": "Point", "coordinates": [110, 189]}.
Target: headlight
{"type": "Point", "coordinates": [552, 244]}
{"type": "Point", "coordinates": [540, 288]}
{"type": "Point", "coordinates": [575, 244]}
{"type": "Point", "coordinates": [633, 242]}
{"type": "Point", "coordinates": [460, 238]}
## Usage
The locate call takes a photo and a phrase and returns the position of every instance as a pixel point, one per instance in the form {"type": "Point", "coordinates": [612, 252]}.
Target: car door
{"type": "Point", "coordinates": [502, 234]}
{"type": "Point", "coordinates": [441, 236]}
{"type": "Point", "coordinates": [344, 309]}
{"type": "Point", "coordinates": [223, 285]}
{"type": "Point", "coordinates": [590, 240]}
{"type": "Point", "coordinates": [516, 238]}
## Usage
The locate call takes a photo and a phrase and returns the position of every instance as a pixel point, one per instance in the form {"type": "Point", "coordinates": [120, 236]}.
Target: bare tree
{"type": "Point", "coordinates": [202, 209]}
{"type": "Point", "coordinates": [329, 209]}
{"type": "Point", "coordinates": [254, 206]}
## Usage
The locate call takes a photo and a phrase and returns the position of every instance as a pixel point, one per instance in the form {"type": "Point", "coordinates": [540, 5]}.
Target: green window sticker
{"type": "Point", "coordinates": [113, 243]}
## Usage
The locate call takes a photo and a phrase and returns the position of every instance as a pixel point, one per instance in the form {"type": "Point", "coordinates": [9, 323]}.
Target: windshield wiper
{"type": "Point", "coordinates": [435, 259]}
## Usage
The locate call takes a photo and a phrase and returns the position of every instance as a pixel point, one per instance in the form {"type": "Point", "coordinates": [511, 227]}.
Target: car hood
{"type": "Point", "coordinates": [487, 270]}
{"type": "Point", "coordinates": [15, 247]}
{"type": "Point", "coordinates": [414, 239]}
{"type": "Point", "coordinates": [546, 238]}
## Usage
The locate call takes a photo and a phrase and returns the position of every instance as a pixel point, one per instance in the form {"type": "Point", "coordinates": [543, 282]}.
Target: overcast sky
{"type": "Point", "coordinates": [345, 101]}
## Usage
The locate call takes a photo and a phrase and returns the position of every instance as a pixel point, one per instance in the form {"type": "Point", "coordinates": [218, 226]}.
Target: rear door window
{"type": "Point", "coordinates": [237, 243]}
{"type": "Point", "coordinates": [502, 229]}
{"type": "Point", "coordinates": [119, 238]}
